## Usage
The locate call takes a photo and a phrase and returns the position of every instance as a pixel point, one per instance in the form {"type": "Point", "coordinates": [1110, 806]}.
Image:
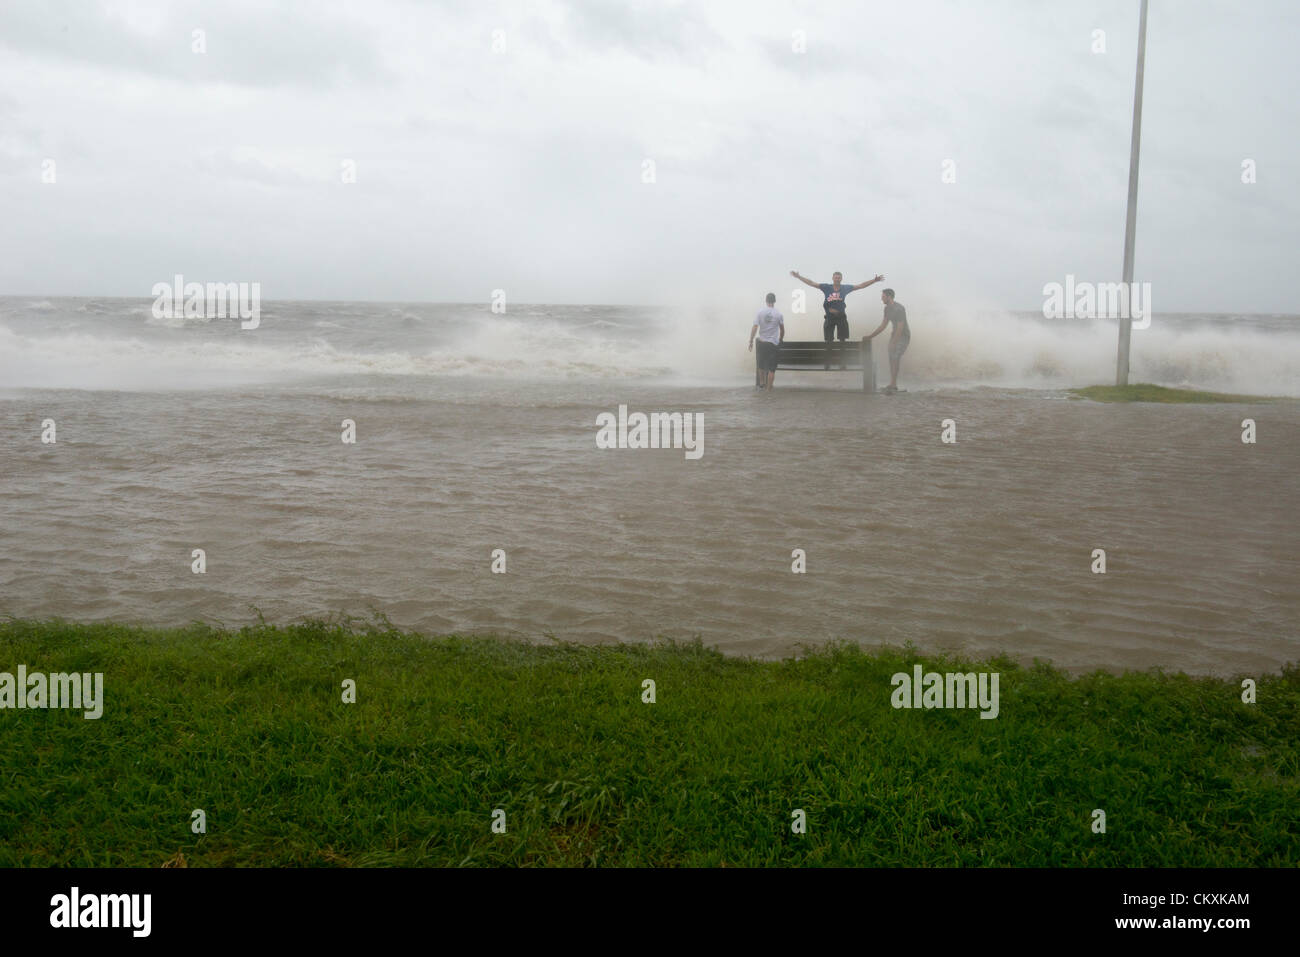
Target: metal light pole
{"type": "Point", "coordinates": [1130, 223]}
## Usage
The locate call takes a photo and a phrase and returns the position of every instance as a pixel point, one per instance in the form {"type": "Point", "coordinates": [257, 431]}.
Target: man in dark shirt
{"type": "Point", "coordinates": [836, 321]}
{"type": "Point", "coordinates": [899, 339]}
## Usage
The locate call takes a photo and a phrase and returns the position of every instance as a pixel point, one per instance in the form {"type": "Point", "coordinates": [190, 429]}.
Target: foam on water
{"type": "Point", "coordinates": [119, 344]}
{"type": "Point", "coordinates": [1025, 351]}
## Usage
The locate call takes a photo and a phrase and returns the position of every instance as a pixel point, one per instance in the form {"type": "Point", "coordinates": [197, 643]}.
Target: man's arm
{"type": "Point", "coordinates": [883, 323]}
{"type": "Point", "coordinates": [805, 279]}
{"type": "Point", "coordinates": [869, 282]}
{"type": "Point", "coordinates": [782, 339]}
{"type": "Point", "coordinates": [752, 329]}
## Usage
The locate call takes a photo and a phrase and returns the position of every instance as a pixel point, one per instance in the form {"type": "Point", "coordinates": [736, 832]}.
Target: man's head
{"type": "Point", "coordinates": [835, 279]}
{"type": "Point", "coordinates": [771, 299]}
{"type": "Point", "coordinates": [886, 296]}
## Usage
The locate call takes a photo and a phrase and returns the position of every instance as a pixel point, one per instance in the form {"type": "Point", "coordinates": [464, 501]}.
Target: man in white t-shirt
{"type": "Point", "coordinates": [769, 324]}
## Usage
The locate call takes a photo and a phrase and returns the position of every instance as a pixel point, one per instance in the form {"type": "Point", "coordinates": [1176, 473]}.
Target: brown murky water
{"type": "Point", "coordinates": [980, 546]}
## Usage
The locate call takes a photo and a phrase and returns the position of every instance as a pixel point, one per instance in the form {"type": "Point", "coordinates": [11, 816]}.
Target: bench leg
{"type": "Point", "coordinates": [868, 367]}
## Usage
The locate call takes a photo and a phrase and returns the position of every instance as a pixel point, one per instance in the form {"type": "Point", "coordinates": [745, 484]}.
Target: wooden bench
{"type": "Point", "coordinates": [814, 356]}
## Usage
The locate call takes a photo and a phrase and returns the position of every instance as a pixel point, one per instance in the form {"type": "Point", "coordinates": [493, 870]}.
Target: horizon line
{"type": "Point", "coordinates": [631, 305]}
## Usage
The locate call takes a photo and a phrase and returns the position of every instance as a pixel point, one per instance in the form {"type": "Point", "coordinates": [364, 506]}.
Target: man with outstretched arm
{"type": "Point", "coordinates": [769, 324]}
{"type": "Point", "coordinates": [833, 305]}
{"type": "Point", "coordinates": [899, 339]}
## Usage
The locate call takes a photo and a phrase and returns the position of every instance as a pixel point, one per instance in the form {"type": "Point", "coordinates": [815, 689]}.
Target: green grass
{"type": "Point", "coordinates": [250, 727]}
{"type": "Point", "coordinates": [1145, 392]}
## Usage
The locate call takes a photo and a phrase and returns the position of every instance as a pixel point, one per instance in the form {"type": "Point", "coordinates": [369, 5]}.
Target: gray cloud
{"type": "Point", "coordinates": [246, 44]}
{"type": "Point", "coordinates": [648, 30]}
{"type": "Point", "coordinates": [523, 168]}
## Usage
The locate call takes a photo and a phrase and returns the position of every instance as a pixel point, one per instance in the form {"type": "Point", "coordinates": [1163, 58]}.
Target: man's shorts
{"type": "Point", "coordinates": [896, 349]}
{"type": "Point", "coordinates": [833, 323]}
{"type": "Point", "coordinates": [768, 353]}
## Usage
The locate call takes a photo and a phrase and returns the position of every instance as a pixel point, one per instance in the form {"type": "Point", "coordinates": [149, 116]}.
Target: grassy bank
{"type": "Point", "coordinates": [250, 727]}
{"type": "Point", "coordinates": [1145, 392]}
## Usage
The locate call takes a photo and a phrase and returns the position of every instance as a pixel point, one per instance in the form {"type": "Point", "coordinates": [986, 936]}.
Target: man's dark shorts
{"type": "Point", "coordinates": [833, 323]}
{"type": "Point", "coordinates": [768, 353]}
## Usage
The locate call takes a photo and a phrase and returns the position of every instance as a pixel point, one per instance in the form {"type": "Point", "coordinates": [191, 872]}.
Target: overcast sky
{"type": "Point", "coordinates": [522, 168]}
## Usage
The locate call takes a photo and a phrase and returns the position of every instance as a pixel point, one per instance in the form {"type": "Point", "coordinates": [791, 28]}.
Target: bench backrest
{"type": "Point", "coordinates": [815, 354]}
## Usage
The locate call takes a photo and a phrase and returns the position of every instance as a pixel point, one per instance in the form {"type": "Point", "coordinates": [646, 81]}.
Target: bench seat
{"type": "Point", "coordinates": [812, 356]}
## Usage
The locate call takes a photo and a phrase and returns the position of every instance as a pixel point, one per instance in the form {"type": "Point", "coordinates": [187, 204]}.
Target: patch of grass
{"type": "Point", "coordinates": [1145, 392]}
{"type": "Point", "coordinates": [249, 725]}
